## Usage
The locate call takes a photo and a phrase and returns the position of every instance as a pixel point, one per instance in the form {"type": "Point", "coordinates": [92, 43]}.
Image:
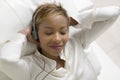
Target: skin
{"type": "Point", "coordinates": [53, 35]}
{"type": "Point", "coordinates": [73, 22]}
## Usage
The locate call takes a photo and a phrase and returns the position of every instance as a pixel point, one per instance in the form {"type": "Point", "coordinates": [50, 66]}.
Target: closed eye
{"type": "Point", "coordinates": [48, 33]}
{"type": "Point", "coordinates": [63, 32]}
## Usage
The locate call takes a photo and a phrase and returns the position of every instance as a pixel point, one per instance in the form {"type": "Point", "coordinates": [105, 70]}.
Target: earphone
{"type": "Point", "coordinates": [34, 29]}
{"type": "Point", "coordinates": [34, 32]}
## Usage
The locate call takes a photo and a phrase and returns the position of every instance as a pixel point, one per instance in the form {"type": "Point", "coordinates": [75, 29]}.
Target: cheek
{"type": "Point", "coordinates": [43, 43]}
{"type": "Point", "coordinates": [66, 38]}
{"type": "Point", "coordinates": [42, 40]}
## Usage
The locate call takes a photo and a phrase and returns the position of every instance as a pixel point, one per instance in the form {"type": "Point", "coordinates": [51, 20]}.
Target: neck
{"type": "Point", "coordinates": [56, 58]}
{"type": "Point", "coordinates": [60, 62]}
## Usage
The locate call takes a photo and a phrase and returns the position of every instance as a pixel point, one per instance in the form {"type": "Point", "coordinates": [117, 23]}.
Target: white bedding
{"type": "Point", "coordinates": [14, 17]}
{"type": "Point", "coordinates": [109, 70]}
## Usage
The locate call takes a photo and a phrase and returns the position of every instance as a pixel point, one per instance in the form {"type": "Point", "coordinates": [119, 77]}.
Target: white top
{"type": "Point", "coordinates": [38, 67]}
{"type": "Point", "coordinates": [77, 65]}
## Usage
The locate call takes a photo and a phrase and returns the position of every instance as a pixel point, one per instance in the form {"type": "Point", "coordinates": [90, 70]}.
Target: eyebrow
{"type": "Point", "coordinates": [63, 27]}
{"type": "Point", "coordinates": [47, 27]}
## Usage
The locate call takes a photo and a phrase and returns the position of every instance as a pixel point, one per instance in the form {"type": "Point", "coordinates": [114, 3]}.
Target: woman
{"type": "Point", "coordinates": [59, 54]}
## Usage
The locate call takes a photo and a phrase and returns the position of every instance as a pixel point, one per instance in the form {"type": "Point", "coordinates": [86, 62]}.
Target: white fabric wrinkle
{"type": "Point", "coordinates": [49, 62]}
{"type": "Point", "coordinates": [13, 46]}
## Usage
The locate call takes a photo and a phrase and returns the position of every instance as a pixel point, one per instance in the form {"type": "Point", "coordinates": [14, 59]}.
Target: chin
{"type": "Point", "coordinates": [56, 53]}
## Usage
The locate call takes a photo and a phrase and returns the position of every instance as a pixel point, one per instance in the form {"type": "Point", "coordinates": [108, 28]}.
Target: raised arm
{"type": "Point", "coordinates": [11, 50]}
{"type": "Point", "coordinates": [94, 22]}
{"type": "Point", "coordinates": [106, 13]}
{"type": "Point", "coordinates": [10, 59]}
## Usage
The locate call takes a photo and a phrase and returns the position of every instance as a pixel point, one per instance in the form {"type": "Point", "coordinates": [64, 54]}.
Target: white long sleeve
{"type": "Point", "coordinates": [11, 50]}
{"type": "Point", "coordinates": [86, 18]}
{"type": "Point", "coordinates": [105, 13]}
{"type": "Point", "coordinates": [4, 76]}
{"type": "Point", "coordinates": [10, 59]}
{"type": "Point", "coordinates": [94, 22]}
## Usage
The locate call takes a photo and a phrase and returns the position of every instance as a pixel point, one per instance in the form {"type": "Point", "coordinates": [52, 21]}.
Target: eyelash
{"type": "Point", "coordinates": [48, 33]}
{"type": "Point", "coordinates": [62, 33]}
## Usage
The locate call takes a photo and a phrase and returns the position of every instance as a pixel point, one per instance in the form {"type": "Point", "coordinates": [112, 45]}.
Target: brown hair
{"type": "Point", "coordinates": [47, 9]}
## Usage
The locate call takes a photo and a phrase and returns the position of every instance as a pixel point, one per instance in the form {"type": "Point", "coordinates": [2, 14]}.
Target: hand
{"type": "Point", "coordinates": [73, 22]}
{"type": "Point", "coordinates": [27, 33]}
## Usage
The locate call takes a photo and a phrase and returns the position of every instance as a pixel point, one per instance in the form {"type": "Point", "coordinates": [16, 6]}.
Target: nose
{"type": "Point", "coordinates": [57, 38]}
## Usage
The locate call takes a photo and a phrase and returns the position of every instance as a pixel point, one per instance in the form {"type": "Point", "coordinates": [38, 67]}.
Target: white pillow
{"type": "Point", "coordinates": [17, 14]}
{"type": "Point", "coordinates": [14, 15]}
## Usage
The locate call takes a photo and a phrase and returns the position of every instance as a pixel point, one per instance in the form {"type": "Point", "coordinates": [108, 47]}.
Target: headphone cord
{"type": "Point", "coordinates": [43, 69]}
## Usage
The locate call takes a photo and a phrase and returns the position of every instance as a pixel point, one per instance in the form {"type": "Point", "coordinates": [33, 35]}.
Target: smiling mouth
{"type": "Point", "coordinates": [58, 47]}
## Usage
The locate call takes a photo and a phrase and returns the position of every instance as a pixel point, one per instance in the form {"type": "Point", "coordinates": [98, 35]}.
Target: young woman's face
{"type": "Point", "coordinates": [53, 34]}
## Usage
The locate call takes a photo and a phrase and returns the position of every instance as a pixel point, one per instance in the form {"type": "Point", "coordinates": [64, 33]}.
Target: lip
{"type": "Point", "coordinates": [56, 47]}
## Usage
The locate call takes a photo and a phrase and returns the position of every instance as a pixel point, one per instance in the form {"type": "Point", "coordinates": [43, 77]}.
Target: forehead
{"type": "Point", "coordinates": [54, 21]}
